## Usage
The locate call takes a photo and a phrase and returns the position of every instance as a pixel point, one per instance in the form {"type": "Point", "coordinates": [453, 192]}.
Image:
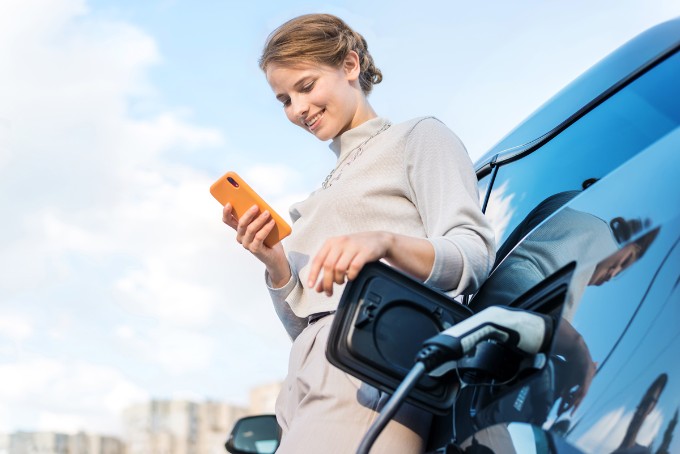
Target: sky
{"type": "Point", "coordinates": [118, 281]}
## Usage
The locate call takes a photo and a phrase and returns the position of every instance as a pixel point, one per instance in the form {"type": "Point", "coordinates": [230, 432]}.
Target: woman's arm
{"type": "Point", "coordinates": [251, 230]}
{"type": "Point", "coordinates": [444, 189]}
{"type": "Point", "coordinates": [459, 249]}
{"type": "Point", "coordinates": [343, 257]}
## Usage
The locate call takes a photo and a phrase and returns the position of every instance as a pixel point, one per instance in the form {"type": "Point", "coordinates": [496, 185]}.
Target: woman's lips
{"type": "Point", "coordinates": [314, 122]}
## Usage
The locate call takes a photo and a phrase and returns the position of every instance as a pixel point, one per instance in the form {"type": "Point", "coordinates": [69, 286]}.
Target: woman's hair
{"type": "Point", "coordinates": [322, 39]}
{"type": "Point", "coordinates": [625, 229]}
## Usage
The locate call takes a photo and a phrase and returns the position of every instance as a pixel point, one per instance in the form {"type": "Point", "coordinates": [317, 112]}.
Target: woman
{"type": "Point", "coordinates": [405, 193]}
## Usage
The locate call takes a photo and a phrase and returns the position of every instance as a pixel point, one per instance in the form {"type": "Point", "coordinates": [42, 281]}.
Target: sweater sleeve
{"type": "Point", "coordinates": [293, 288]}
{"type": "Point", "coordinates": [444, 190]}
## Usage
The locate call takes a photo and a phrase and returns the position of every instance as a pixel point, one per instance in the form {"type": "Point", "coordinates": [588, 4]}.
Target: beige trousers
{"type": "Point", "coordinates": [323, 410]}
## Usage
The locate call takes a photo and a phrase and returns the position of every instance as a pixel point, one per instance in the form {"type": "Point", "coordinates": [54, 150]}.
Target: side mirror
{"type": "Point", "coordinates": [254, 435]}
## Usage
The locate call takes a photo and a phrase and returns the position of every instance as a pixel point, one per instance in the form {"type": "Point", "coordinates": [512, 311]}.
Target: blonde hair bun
{"type": "Point", "coordinates": [323, 39]}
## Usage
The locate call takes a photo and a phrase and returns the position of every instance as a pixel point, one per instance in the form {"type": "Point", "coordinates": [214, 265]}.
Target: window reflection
{"type": "Point", "coordinates": [603, 250]}
{"type": "Point", "coordinates": [643, 410]}
{"type": "Point", "coordinates": [513, 438]}
{"type": "Point", "coordinates": [632, 431]}
{"type": "Point", "coordinates": [603, 381]}
{"type": "Point", "coordinates": [500, 209]}
{"type": "Point", "coordinates": [483, 187]}
{"type": "Point", "coordinates": [634, 118]}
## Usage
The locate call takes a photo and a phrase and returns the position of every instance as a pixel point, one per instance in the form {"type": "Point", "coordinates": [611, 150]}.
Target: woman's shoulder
{"type": "Point", "coordinates": [423, 125]}
{"type": "Point", "coordinates": [424, 120]}
{"type": "Point", "coordinates": [428, 128]}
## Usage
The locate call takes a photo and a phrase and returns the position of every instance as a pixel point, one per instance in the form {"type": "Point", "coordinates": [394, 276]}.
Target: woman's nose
{"type": "Point", "coordinates": [300, 109]}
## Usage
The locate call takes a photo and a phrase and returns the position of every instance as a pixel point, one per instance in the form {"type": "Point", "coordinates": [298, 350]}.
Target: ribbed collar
{"type": "Point", "coordinates": [349, 140]}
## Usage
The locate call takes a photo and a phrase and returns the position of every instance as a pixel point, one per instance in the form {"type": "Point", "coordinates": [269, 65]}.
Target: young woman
{"type": "Point", "coordinates": [405, 193]}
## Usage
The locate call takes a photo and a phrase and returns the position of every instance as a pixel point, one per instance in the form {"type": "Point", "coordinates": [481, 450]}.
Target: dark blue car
{"type": "Point", "coordinates": [587, 192]}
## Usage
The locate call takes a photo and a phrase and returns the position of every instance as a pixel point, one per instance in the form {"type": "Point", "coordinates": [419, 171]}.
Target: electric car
{"type": "Point", "coordinates": [584, 197]}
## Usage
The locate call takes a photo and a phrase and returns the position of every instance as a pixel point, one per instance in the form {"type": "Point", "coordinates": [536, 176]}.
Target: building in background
{"type": "Point", "coordinates": [155, 427]}
{"type": "Point", "coordinates": [179, 426]}
{"type": "Point", "coordinates": [60, 443]}
{"type": "Point", "coordinates": [263, 398]}
{"type": "Point", "coordinates": [84, 443]}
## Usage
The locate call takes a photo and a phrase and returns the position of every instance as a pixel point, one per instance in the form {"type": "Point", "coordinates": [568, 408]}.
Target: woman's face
{"type": "Point", "coordinates": [610, 267]}
{"type": "Point", "coordinates": [323, 100]}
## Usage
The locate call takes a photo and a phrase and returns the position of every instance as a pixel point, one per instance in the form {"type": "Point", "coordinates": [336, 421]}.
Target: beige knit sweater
{"type": "Point", "coordinates": [413, 178]}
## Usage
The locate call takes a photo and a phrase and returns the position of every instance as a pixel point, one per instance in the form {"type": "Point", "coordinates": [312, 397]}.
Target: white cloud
{"type": "Point", "coordinates": [65, 395]}
{"type": "Point", "coordinates": [5, 134]}
{"type": "Point", "coordinates": [18, 380]}
{"type": "Point", "coordinates": [608, 432]}
{"type": "Point", "coordinates": [124, 332]}
{"type": "Point", "coordinates": [154, 291]}
{"type": "Point", "coordinates": [180, 351]}
{"type": "Point", "coordinates": [499, 209]}
{"type": "Point", "coordinates": [77, 157]}
{"type": "Point", "coordinates": [4, 419]}
{"type": "Point", "coordinates": [277, 184]}
{"type": "Point", "coordinates": [97, 217]}
{"type": "Point", "coordinates": [61, 422]}
{"type": "Point", "coordinates": [274, 180]}
{"type": "Point", "coordinates": [15, 327]}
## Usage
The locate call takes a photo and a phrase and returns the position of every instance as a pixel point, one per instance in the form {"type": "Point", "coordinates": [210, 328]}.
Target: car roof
{"type": "Point", "coordinates": [592, 87]}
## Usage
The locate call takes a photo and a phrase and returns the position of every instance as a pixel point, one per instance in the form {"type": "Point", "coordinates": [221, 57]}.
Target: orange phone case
{"type": "Point", "coordinates": [231, 188]}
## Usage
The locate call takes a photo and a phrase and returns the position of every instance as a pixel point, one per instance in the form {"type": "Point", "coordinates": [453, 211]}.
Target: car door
{"type": "Point", "coordinates": [618, 128]}
{"type": "Point", "coordinates": [612, 380]}
{"type": "Point", "coordinates": [603, 198]}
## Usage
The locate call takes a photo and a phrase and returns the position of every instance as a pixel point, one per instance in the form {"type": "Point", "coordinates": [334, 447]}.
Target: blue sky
{"type": "Point", "coordinates": [119, 282]}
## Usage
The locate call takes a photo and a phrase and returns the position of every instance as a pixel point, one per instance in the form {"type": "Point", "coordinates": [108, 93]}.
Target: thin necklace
{"type": "Point", "coordinates": [350, 158]}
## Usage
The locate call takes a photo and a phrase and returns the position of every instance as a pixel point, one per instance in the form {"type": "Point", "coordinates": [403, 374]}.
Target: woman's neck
{"type": "Point", "coordinates": [363, 113]}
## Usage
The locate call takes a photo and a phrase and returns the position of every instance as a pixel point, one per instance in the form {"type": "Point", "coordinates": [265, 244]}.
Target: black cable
{"type": "Point", "coordinates": [391, 407]}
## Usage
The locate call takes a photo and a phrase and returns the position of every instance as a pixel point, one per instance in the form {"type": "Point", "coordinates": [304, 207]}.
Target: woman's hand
{"type": "Point", "coordinates": [572, 397]}
{"type": "Point", "coordinates": [581, 368]}
{"type": "Point", "coordinates": [341, 258]}
{"type": "Point", "coordinates": [251, 231]}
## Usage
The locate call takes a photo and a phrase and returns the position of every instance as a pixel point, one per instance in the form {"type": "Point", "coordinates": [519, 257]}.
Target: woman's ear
{"type": "Point", "coordinates": [352, 65]}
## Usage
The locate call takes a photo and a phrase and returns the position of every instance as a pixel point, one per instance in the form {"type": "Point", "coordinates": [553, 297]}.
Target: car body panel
{"type": "Point", "coordinates": [601, 140]}
{"type": "Point", "coordinates": [581, 95]}
{"type": "Point", "coordinates": [627, 323]}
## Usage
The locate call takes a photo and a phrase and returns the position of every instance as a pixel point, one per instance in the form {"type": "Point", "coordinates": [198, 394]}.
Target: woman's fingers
{"type": "Point", "coordinates": [244, 222]}
{"type": "Point", "coordinates": [354, 268]}
{"type": "Point", "coordinates": [228, 216]}
{"type": "Point", "coordinates": [341, 258]}
{"type": "Point", "coordinates": [253, 236]}
{"type": "Point", "coordinates": [342, 266]}
{"type": "Point", "coordinates": [332, 263]}
{"type": "Point", "coordinates": [252, 228]}
{"type": "Point", "coordinates": [264, 232]}
{"type": "Point", "coordinates": [248, 217]}
{"type": "Point", "coordinates": [315, 266]}
{"type": "Point", "coordinates": [329, 270]}
{"type": "Point", "coordinates": [322, 267]}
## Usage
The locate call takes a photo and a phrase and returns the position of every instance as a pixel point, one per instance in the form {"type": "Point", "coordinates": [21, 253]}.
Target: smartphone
{"type": "Point", "coordinates": [233, 189]}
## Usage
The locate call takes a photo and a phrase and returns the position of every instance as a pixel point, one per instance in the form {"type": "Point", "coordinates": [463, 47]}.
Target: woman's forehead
{"type": "Point", "coordinates": [278, 73]}
{"type": "Point", "coordinates": [295, 67]}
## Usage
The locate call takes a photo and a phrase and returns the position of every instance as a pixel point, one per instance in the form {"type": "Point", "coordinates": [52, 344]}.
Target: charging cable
{"type": "Point", "coordinates": [526, 331]}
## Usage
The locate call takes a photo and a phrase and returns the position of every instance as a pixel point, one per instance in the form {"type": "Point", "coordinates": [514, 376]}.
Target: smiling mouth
{"type": "Point", "coordinates": [312, 121]}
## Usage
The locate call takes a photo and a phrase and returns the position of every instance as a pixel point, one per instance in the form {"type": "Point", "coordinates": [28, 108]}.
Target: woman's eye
{"type": "Point", "coordinates": [307, 88]}
{"type": "Point", "coordinates": [286, 102]}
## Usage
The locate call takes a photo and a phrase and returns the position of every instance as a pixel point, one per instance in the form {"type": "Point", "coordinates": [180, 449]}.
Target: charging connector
{"type": "Point", "coordinates": [526, 331]}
